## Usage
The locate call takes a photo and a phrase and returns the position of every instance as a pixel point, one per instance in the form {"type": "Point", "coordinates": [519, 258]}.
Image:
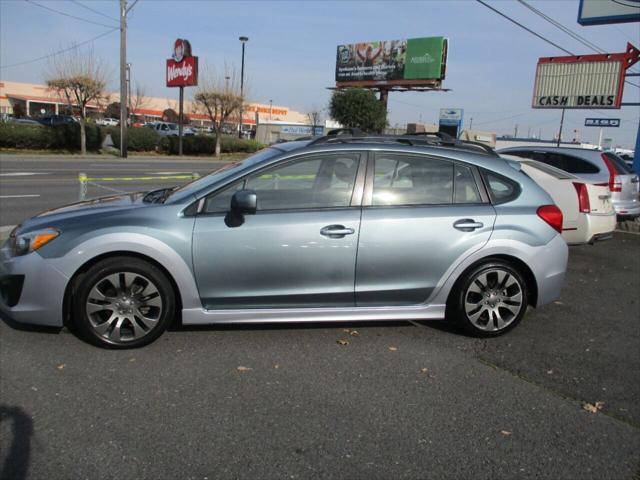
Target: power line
{"type": "Point", "coordinates": [44, 57]}
{"type": "Point", "coordinates": [566, 30]}
{"type": "Point", "coordinates": [68, 14]}
{"type": "Point", "coordinates": [569, 32]}
{"type": "Point", "coordinates": [94, 10]}
{"type": "Point", "coordinates": [523, 27]}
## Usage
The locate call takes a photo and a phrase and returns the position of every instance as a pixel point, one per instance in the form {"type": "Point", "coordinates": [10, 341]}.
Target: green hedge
{"type": "Point", "coordinates": [139, 139]}
{"type": "Point", "coordinates": [58, 137]}
{"type": "Point", "coordinates": [205, 145]}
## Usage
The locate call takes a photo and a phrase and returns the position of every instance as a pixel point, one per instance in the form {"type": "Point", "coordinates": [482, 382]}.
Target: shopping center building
{"type": "Point", "coordinates": [37, 101]}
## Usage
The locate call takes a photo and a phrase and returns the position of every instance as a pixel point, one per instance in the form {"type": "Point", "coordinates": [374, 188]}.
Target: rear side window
{"type": "Point", "coordinates": [621, 167]}
{"type": "Point", "coordinates": [501, 189]}
{"type": "Point", "coordinates": [412, 180]}
{"type": "Point", "coordinates": [465, 189]}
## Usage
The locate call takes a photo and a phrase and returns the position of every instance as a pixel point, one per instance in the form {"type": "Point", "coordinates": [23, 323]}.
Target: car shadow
{"type": "Point", "coordinates": [27, 327]}
{"type": "Point", "coordinates": [17, 448]}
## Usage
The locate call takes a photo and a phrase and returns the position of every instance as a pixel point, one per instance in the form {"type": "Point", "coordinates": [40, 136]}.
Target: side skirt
{"type": "Point", "coordinates": [196, 316]}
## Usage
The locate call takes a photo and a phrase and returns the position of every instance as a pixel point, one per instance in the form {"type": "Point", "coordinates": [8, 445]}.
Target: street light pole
{"type": "Point", "coordinates": [123, 78]}
{"type": "Point", "coordinates": [270, 108]}
{"type": "Point", "coordinates": [243, 40]}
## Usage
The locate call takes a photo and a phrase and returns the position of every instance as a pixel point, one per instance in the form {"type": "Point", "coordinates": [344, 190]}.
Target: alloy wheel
{"type": "Point", "coordinates": [493, 300]}
{"type": "Point", "coordinates": [123, 307]}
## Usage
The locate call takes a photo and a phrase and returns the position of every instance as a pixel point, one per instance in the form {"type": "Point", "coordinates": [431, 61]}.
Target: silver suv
{"type": "Point", "coordinates": [594, 165]}
{"type": "Point", "coordinates": [341, 228]}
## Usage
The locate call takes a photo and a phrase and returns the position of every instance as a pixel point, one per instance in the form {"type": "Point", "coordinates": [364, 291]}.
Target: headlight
{"type": "Point", "coordinates": [30, 242]}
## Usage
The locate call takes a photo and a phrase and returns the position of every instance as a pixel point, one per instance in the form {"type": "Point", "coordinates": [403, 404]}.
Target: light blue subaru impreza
{"type": "Point", "coordinates": [341, 228]}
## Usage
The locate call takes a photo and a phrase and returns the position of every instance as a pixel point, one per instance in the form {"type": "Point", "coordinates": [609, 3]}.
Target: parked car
{"type": "Point", "coordinates": [587, 212]}
{"type": "Point", "coordinates": [57, 120]}
{"type": "Point", "coordinates": [24, 121]}
{"type": "Point", "coordinates": [320, 230]}
{"type": "Point", "coordinates": [591, 165]}
{"type": "Point", "coordinates": [167, 129]}
{"type": "Point", "coordinates": [108, 122]}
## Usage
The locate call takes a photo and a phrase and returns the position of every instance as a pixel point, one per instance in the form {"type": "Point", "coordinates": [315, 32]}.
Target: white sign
{"type": "Point", "coordinates": [451, 116]}
{"type": "Point", "coordinates": [599, 12]}
{"type": "Point", "coordinates": [578, 85]}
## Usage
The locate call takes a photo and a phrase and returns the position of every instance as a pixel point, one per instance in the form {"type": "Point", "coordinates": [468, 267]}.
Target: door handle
{"type": "Point", "coordinates": [467, 225]}
{"type": "Point", "coordinates": [336, 231]}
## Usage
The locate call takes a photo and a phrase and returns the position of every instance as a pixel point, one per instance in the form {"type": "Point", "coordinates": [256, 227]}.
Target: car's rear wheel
{"type": "Point", "coordinates": [490, 300]}
{"type": "Point", "coordinates": [123, 302]}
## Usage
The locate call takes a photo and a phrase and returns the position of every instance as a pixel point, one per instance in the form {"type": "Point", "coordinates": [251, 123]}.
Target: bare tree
{"type": "Point", "coordinates": [315, 118]}
{"type": "Point", "coordinates": [218, 97]}
{"type": "Point", "coordinates": [139, 98]}
{"type": "Point", "coordinates": [80, 78]}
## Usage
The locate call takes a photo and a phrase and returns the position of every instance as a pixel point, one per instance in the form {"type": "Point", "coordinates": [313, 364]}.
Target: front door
{"type": "Point", "coordinates": [420, 216]}
{"type": "Point", "coordinates": [298, 250]}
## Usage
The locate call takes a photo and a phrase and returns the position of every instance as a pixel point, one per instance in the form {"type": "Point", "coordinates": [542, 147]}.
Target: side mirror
{"type": "Point", "coordinates": [244, 202]}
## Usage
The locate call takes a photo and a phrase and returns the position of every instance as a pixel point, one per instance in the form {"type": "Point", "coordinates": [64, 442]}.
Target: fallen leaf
{"type": "Point", "coordinates": [393, 349]}
{"type": "Point", "coordinates": [243, 369]}
{"type": "Point", "coordinates": [343, 342]}
{"type": "Point", "coordinates": [549, 372]}
{"type": "Point", "coordinates": [276, 366]}
{"type": "Point", "coordinates": [346, 330]}
{"type": "Point", "coordinates": [505, 433]}
{"type": "Point", "coordinates": [424, 370]}
{"type": "Point", "coordinates": [132, 359]}
{"type": "Point", "coordinates": [593, 407]}
{"type": "Point", "coordinates": [354, 333]}
{"type": "Point", "coordinates": [61, 366]}
{"type": "Point", "coordinates": [558, 302]}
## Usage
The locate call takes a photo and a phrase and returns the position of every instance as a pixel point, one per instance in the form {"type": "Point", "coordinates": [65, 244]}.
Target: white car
{"type": "Point", "coordinates": [587, 210]}
{"type": "Point", "coordinates": [108, 122]}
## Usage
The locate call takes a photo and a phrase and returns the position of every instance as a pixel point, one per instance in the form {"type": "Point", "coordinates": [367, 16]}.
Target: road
{"type": "Point", "coordinates": [31, 185]}
{"type": "Point", "coordinates": [399, 400]}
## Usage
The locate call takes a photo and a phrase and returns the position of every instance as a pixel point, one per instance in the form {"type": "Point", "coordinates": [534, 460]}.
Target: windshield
{"type": "Point", "coordinates": [225, 171]}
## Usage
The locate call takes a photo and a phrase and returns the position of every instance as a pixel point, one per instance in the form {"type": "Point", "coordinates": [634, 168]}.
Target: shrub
{"type": "Point", "coordinates": [140, 139]}
{"type": "Point", "coordinates": [58, 137]}
{"type": "Point", "coordinates": [205, 145]}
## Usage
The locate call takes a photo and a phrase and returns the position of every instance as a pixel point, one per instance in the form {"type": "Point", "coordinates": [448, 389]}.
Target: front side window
{"type": "Point", "coordinates": [412, 180]}
{"type": "Point", "coordinates": [318, 181]}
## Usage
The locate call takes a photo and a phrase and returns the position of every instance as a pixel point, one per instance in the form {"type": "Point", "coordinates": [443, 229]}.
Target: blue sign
{"type": "Point", "coordinates": [602, 12]}
{"type": "Point", "coordinates": [601, 122]}
{"type": "Point", "coordinates": [302, 130]}
{"type": "Point", "coordinates": [451, 117]}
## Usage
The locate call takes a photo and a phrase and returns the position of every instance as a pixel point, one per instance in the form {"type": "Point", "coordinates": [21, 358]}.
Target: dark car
{"type": "Point", "coordinates": [57, 120]}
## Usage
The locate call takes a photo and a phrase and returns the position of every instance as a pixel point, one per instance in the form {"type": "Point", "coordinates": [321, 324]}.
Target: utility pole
{"type": "Point", "coordinates": [129, 105]}
{"type": "Point", "coordinates": [560, 132]}
{"type": "Point", "coordinates": [243, 40]}
{"type": "Point", "coordinates": [515, 131]}
{"type": "Point", "coordinates": [123, 79]}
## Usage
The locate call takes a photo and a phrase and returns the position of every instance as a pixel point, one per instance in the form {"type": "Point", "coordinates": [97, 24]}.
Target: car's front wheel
{"type": "Point", "coordinates": [490, 300]}
{"type": "Point", "coordinates": [123, 302]}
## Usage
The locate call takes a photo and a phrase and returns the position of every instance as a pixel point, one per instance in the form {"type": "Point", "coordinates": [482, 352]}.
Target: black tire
{"type": "Point", "coordinates": [456, 309]}
{"type": "Point", "coordinates": [148, 326]}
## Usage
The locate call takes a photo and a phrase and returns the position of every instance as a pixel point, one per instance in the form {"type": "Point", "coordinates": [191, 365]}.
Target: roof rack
{"type": "Point", "coordinates": [437, 139]}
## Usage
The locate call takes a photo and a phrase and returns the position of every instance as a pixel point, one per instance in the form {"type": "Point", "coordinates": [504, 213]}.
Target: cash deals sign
{"type": "Point", "coordinates": [182, 67]}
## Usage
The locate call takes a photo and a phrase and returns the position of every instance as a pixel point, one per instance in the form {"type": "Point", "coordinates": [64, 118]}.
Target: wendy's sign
{"type": "Point", "coordinates": [182, 67]}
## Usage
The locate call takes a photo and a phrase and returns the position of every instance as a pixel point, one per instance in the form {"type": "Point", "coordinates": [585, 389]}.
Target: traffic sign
{"type": "Point", "coordinates": [601, 122]}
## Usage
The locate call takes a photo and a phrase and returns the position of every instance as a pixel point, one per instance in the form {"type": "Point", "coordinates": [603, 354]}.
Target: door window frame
{"type": "Point", "coordinates": [367, 198]}
{"type": "Point", "coordinates": [354, 202]}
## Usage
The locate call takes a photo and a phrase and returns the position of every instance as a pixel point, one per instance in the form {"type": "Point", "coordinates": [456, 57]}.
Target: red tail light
{"type": "Point", "coordinates": [552, 215]}
{"type": "Point", "coordinates": [613, 185]}
{"type": "Point", "coordinates": [583, 197]}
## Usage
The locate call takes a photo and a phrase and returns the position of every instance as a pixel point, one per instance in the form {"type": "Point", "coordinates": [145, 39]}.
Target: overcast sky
{"type": "Point", "coordinates": [290, 56]}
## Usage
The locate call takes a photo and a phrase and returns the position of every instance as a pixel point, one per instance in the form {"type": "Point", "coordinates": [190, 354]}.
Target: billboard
{"type": "Point", "coordinates": [585, 81]}
{"type": "Point", "coordinates": [450, 116]}
{"type": "Point", "coordinates": [600, 12]}
{"type": "Point", "coordinates": [396, 62]}
{"type": "Point", "coordinates": [182, 67]}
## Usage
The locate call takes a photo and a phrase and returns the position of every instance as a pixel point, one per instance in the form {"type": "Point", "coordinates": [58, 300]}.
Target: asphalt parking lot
{"type": "Point", "coordinates": [399, 400]}
{"type": "Point", "coordinates": [386, 400]}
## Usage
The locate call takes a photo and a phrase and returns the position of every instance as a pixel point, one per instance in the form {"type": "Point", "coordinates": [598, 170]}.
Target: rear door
{"type": "Point", "coordinates": [420, 216]}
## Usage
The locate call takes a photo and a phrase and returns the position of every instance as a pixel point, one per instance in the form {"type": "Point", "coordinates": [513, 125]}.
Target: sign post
{"type": "Point", "coordinates": [182, 71]}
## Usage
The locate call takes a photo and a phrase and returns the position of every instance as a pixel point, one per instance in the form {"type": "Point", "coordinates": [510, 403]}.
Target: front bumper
{"type": "Point", "coordinates": [32, 290]}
